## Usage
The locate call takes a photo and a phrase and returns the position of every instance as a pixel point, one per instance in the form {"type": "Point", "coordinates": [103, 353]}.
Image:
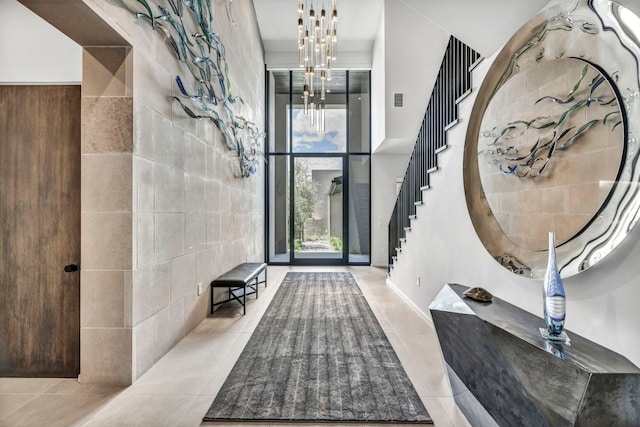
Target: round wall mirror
{"type": "Point", "coordinates": [550, 148]}
{"type": "Point", "coordinates": [551, 145]}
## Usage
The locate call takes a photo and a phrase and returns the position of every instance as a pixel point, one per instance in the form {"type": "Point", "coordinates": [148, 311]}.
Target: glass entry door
{"type": "Point", "coordinates": [318, 208]}
{"type": "Point", "coordinates": [318, 162]}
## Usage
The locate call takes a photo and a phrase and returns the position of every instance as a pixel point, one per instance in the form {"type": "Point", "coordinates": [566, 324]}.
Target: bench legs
{"type": "Point", "coordinates": [233, 297]}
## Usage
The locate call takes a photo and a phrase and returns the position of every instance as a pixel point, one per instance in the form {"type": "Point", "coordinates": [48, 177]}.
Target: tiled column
{"type": "Point", "coordinates": [106, 258]}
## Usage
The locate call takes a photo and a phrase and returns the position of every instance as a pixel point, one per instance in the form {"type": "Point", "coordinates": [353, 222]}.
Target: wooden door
{"type": "Point", "coordinates": [39, 231]}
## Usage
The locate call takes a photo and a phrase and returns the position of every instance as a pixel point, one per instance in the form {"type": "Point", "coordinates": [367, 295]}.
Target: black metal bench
{"type": "Point", "coordinates": [242, 280]}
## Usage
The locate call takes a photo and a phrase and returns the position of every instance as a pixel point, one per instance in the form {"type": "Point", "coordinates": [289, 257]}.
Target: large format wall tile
{"type": "Point", "coordinates": [143, 125]}
{"type": "Point", "coordinates": [195, 156]}
{"type": "Point", "coordinates": [169, 236]}
{"type": "Point", "coordinates": [183, 277]}
{"type": "Point", "coordinates": [105, 355]}
{"type": "Point", "coordinates": [152, 82]}
{"type": "Point", "coordinates": [143, 353]}
{"type": "Point", "coordinates": [195, 194]}
{"type": "Point", "coordinates": [213, 198]}
{"type": "Point", "coordinates": [214, 229]}
{"type": "Point", "coordinates": [106, 240]}
{"type": "Point", "coordinates": [151, 291]}
{"type": "Point", "coordinates": [145, 239]}
{"type": "Point", "coordinates": [205, 267]}
{"type": "Point", "coordinates": [169, 189]}
{"type": "Point", "coordinates": [196, 232]}
{"type": "Point", "coordinates": [106, 182]}
{"type": "Point", "coordinates": [107, 125]}
{"type": "Point", "coordinates": [102, 299]}
{"type": "Point", "coordinates": [144, 192]}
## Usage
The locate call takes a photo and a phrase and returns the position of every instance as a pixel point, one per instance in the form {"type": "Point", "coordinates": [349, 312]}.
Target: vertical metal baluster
{"type": "Point", "coordinates": [453, 80]}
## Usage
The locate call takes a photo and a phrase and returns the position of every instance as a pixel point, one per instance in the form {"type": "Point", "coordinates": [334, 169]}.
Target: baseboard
{"type": "Point", "coordinates": [411, 303]}
{"type": "Point", "coordinates": [380, 265]}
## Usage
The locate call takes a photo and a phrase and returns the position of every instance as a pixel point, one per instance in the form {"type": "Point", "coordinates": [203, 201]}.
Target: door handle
{"type": "Point", "coordinates": [71, 267]}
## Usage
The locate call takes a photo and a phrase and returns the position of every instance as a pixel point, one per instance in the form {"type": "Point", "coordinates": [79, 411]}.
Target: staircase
{"type": "Point", "coordinates": [452, 85]}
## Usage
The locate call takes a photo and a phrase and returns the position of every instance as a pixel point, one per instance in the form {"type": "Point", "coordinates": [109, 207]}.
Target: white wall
{"type": "Point", "coordinates": [414, 47]}
{"type": "Point", "coordinates": [407, 53]}
{"type": "Point", "coordinates": [386, 169]}
{"type": "Point", "coordinates": [378, 72]}
{"type": "Point", "coordinates": [483, 25]}
{"type": "Point", "coordinates": [443, 247]}
{"type": "Point", "coordinates": [33, 52]}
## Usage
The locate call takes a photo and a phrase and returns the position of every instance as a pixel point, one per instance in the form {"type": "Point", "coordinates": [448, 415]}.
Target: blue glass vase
{"type": "Point", "coordinates": [554, 298]}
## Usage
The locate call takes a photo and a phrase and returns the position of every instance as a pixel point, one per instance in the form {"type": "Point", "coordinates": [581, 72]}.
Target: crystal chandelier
{"type": "Point", "coordinates": [317, 45]}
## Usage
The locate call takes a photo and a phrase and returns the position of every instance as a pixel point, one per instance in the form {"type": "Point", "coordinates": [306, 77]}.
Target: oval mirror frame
{"type": "Point", "coordinates": [605, 34]}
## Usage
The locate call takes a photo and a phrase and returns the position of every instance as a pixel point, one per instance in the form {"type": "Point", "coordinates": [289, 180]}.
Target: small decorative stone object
{"type": "Point", "coordinates": [478, 294]}
{"type": "Point", "coordinates": [554, 299]}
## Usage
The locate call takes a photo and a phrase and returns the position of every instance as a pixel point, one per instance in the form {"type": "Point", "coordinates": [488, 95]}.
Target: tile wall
{"type": "Point", "coordinates": [163, 210]}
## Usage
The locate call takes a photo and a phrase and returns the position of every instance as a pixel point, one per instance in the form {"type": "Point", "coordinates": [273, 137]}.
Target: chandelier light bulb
{"type": "Point", "coordinates": [334, 46]}
{"type": "Point", "coordinates": [305, 97]}
{"type": "Point", "coordinates": [312, 113]}
{"type": "Point", "coordinates": [312, 19]}
{"type": "Point", "coordinates": [318, 117]}
{"type": "Point", "coordinates": [317, 44]}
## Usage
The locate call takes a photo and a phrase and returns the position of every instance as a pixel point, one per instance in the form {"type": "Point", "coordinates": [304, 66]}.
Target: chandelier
{"type": "Point", "coordinates": [317, 46]}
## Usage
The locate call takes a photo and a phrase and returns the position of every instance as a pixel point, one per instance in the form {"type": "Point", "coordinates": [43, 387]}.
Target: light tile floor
{"type": "Point", "coordinates": [178, 390]}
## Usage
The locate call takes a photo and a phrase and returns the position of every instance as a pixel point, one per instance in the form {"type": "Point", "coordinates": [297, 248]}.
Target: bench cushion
{"type": "Point", "coordinates": [239, 275]}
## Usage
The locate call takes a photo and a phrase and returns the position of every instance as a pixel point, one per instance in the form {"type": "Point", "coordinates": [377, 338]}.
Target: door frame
{"type": "Point", "coordinates": [345, 211]}
{"type": "Point", "coordinates": [346, 156]}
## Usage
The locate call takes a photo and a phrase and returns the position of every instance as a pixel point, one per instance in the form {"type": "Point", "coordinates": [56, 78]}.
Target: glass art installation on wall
{"type": "Point", "coordinates": [524, 147]}
{"type": "Point", "coordinates": [187, 28]}
{"type": "Point", "coordinates": [561, 139]}
{"type": "Point", "coordinates": [552, 139]}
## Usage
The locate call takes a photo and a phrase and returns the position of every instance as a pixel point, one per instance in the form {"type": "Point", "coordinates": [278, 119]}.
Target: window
{"type": "Point", "coordinates": [319, 170]}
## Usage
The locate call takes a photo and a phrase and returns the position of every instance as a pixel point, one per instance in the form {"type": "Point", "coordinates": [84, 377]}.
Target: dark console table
{"type": "Point", "coordinates": [503, 372]}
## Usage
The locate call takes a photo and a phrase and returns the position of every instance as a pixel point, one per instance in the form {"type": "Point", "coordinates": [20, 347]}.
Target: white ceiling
{"type": "Point", "coordinates": [357, 25]}
{"type": "Point", "coordinates": [484, 25]}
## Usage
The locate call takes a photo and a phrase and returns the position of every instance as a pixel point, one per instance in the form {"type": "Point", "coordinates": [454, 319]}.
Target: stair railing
{"type": "Point", "coordinates": [452, 85]}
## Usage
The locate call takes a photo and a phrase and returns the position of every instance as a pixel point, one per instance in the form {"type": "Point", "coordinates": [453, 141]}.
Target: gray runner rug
{"type": "Point", "coordinates": [318, 355]}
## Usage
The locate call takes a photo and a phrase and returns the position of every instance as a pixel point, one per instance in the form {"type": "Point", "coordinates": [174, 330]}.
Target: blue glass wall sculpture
{"type": "Point", "coordinates": [187, 28]}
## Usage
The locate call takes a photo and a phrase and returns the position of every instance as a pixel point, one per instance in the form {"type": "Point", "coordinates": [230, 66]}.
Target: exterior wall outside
{"type": "Point", "coordinates": [443, 247]}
